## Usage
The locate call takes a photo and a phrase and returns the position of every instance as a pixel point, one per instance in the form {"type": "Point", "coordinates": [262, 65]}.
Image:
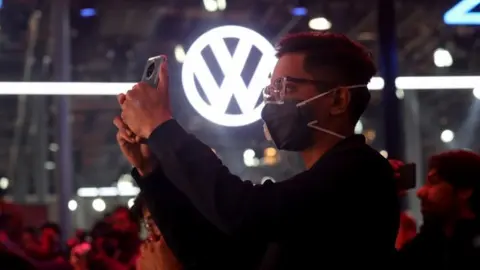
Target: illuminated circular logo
{"type": "Point", "coordinates": [267, 179]}
{"type": "Point", "coordinates": [233, 86]}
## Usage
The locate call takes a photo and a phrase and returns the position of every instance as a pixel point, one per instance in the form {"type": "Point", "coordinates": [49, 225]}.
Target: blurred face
{"type": "Point", "coordinates": [121, 221]}
{"type": "Point", "coordinates": [49, 233]}
{"type": "Point", "coordinates": [49, 241]}
{"type": "Point", "coordinates": [438, 198]}
{"type": "Point", "coordinates": [49, 236]}
{"type": "Point", "coordinates": [28, 240]}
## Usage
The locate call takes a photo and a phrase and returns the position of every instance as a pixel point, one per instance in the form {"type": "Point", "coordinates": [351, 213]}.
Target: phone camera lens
{"type": "Point", "coordinates": [150, 70]}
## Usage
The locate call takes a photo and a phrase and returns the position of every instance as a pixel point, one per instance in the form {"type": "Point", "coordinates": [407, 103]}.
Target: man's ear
{"type": "Point", "coordinates": [341, 101]}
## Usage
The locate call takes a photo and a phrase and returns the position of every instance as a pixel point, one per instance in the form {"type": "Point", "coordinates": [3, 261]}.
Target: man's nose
{"type": "Point", "coordinates": [422, 192]}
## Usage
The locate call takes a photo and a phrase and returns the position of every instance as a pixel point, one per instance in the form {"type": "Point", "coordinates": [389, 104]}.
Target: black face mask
{"type": "Point", "coordinates": [288, 125]}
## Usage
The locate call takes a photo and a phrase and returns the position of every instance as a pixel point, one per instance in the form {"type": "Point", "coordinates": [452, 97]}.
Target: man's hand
{"type": "Point", "coordinates": [145, 108]}
{"type": "Point", "coordinates": [396, 165]}
{"type": "Point", "coordinates": [136, 153]}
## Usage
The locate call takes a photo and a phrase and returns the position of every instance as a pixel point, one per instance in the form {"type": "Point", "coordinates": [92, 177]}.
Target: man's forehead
{"type": "Point", "coordinates": [289, 65]}
{"type": "Point", "coordinates": [292, 65]}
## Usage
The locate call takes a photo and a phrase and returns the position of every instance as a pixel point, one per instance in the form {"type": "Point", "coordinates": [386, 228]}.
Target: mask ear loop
{"type": "Point", "coordinates": [329, 92]}
{"type": "Point", "coordinates": [303, 103]}
{"type": "Point", "coordinates": [313, 123]}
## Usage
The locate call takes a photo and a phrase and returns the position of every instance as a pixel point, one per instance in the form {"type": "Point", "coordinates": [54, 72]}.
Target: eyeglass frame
{"type": "Point", "coordinates": [318, 83]}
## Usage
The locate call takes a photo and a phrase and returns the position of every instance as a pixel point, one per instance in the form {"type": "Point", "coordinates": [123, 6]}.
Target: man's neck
{"type": "Point", "coordinates": [314, 153]}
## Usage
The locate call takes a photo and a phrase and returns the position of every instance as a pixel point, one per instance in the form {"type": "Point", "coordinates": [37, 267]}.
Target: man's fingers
{"type": "Point", "coordinates": [123, 138]}
{"type": "Point", "coordinates": [124, 133]}
{"type": "Point", "coordinates": [163, 76]}
{"type": "Point", "coordinates": [118, 122]}
{"type": "Point", "coordinates": [121, 98]}
{"type": "Point", "coordinates": [130, 94]}
{"type": "Point", "coordinates": [140, 140]}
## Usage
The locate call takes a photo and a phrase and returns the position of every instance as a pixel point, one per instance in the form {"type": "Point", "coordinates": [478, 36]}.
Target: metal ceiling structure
{"type": "Point", "coordinates": [113, 45]}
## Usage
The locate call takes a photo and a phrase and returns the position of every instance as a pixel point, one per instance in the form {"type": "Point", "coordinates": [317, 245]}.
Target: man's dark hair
{"type": "Point", "coordinates": [349, 60]}
{"type": "Point", "coordinates": [461, 169]}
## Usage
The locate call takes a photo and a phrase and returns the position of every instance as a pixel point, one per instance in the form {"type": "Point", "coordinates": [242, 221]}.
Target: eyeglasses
{"type": "Point", "coordinates": [276, 92]}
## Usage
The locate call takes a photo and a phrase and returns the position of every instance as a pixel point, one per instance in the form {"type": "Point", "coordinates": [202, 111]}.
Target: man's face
{"type": "Point", "coordinates": [28, 240]}
{"type": "Point", "coordinates": [292, 65]}
{"type": "Point", "coordinates": [49, 233]}
{"type": "Point", "coordinates": [121, 221]}
{"type": "Point", "coordinates": [438, 198]}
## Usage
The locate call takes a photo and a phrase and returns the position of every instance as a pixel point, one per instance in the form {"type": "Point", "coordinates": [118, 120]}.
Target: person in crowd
{"type": "Point", "coordinates": [408, 226]}
{"type": "Point", "coordinates": [11, 222]}
{"type": "Point", "coordinates": [126, 231]}
{"type": "Point", "coordinates": [11, 249]}
{"type": "Point", "coordinates": [30, 242]}
{"type": "Point", "coordinates": [318, 92]}
{"type": "Point", "coordinates": [154, 252]}
{"type": "Point", "coordinates": [104, 251]}
{"type": "Point", "coordinates": [450, 201]}
{"type": "Point", "coordinates": [10, 240]}
{"type": "Point", "coordinates": [194, 241]}
{"type": "Point", "coordinates": [79, 238]}
{"type": "Point", "coordinates": [50, 247]}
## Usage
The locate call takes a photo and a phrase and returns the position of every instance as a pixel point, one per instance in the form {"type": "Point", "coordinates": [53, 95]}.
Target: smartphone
{"type": "Point", "coordinates": [407, 176]}
{"type": "Point", "coordinates": [152, 69]}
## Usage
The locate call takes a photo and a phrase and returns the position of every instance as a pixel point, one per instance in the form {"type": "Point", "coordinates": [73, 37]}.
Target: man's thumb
{"type": "Point", "coordinates": [163, 76]}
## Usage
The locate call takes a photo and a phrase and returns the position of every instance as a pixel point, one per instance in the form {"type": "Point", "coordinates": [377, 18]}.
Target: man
{"type": "Point", "coordinates": [50, 247]}
{"type": "Point", "coordinates": [126, 230]}
{"type": "Point", "coordinates": [450, 201]}
{"type": "Point", "coordinates": [317, 94]}
{"type": "Point", "coordinates": [193, 240]}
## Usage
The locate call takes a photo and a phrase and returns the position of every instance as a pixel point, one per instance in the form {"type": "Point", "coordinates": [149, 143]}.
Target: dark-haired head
{"type": "Point", "coordinates": [51, 227]}
{"type": "Point", "coordinates": [122, 220]}
{"type": "Point", "coordinates": [320, 84]}
{"type": "Point", "coordinates": [452, 189]}
{"type": "Point", "coordinates": [335, 60]}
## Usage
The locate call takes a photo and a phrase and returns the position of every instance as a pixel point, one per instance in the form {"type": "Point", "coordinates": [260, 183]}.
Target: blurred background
{"type": "Point", "coordinates": [110, 41]}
